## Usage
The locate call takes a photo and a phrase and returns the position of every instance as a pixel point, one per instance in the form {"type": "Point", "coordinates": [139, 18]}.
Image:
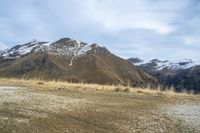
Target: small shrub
{"type": "Point", "coordinates": [139, 91]}
{"type": "Point", "coordinates": [40, 83]}
{"type": "Point", "coordinates": [126, 90]}
{"type": "Point", "coordinates": [61, 88]}
{"type": "Point", "coordinates": [117, 89]}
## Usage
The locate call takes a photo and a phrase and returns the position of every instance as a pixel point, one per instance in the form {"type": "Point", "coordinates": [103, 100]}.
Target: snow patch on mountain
{"type": "Point", "coordinates": [165, 64]}
{"type": "Point", "coordinates": [63, 47]}
{"type": "Point", "coordinates": [80, 51]}
{"type": "Point", "coordinates": [175, 64]}
{"type": "Point", "coordinates": [69, 48]}
{"type": "Point", "coordinates": [20, 50]}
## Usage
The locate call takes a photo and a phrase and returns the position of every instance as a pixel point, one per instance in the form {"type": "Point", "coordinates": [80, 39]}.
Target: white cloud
{"type": "Point", "coordinates": [128, 15]}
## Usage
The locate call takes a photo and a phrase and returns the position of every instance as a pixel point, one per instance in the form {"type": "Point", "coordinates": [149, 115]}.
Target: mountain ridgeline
{"type": "Point", "coordinates": [182, 74]}
{"type": "Point", "coordinates": [70, 60]}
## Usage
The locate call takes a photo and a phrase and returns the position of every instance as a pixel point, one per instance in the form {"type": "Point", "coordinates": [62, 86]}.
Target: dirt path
{"type": "Point", "coordinates": [26, 110]}
{"type": "Point", "coordinates": [188, 112]}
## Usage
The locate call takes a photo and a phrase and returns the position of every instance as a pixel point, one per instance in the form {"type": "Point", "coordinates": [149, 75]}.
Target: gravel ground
{"type": "Point", "coordinates": [27, 110]}
{"type": "Point", "coordinates": [189, 113]}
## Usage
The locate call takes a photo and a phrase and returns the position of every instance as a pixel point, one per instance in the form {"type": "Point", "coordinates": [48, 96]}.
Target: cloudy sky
{"type": "Point", "coordinates": [165, 29]}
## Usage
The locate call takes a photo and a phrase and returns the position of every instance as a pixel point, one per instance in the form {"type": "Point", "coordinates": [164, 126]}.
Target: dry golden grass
{"type": "Point", "coordinates": [62, 85]}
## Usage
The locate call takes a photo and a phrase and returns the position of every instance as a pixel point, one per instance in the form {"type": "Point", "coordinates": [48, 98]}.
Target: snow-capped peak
{"type": "Point", "coordinates": [162, 64]}
{"type": "Point", "coordinates": [20, 50]}
{"type": "Point", "coordinates": [63, 47]}
{"type": "Point", "coordinates": [136, 61]}
{"type": "Point", "coordinates": [67, 46]}
{"type": "Point", "coordinates": [71, 48]}
{"type": "Point", "coordinates": [175, 64]}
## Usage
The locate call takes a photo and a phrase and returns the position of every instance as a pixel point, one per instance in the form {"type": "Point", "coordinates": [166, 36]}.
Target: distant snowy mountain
{"type": "Point", "coordinates": [159, 65]}
{"type": "Point", "coordinates": [184, 74]}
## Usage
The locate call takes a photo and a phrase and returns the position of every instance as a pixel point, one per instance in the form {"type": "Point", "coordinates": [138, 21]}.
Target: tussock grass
{"type": "Point", "coordinates": [62, 85]}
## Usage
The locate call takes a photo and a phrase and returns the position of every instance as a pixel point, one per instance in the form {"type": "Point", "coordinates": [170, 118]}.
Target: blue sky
{"type": "Point", "coordinates": [165, 29]}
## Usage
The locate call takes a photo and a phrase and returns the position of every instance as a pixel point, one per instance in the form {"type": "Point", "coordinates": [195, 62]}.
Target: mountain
{"type": "Point", "coordinates": [182, 74]}
{"type": "Point", "coordinates": [70, 60]}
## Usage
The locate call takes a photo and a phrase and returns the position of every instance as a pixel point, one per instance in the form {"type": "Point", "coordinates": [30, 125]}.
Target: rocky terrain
{"type": "Point", "coordinates": [187, 112]}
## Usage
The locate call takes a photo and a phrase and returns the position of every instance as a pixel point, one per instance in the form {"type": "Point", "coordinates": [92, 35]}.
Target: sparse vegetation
{"type": "Point", "coordinates": [117, 89]}
{"type": "Point", "coordinates": [126, 90]}
{"type": "Point", "coordinates": [40, 83]}
{"type": "Point", "coordinates": [62, 85]}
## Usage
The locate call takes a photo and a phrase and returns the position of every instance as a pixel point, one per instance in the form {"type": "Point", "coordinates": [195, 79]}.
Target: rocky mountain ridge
{"type": "Point", "coordinates": [70, 60]}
